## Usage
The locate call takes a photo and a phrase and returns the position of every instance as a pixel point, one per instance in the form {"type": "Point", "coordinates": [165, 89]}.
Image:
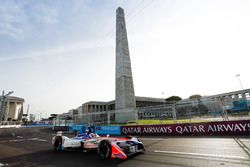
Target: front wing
{"type": "Point", "coordinates": [121, 153]}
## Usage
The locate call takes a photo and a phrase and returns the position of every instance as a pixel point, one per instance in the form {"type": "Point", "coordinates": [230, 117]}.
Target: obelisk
{"type": "Point", "coordinates": [125, 106]}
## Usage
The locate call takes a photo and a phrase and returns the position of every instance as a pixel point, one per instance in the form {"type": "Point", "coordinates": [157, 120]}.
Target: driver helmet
{"type": "Point", "coordinates": [87, 131]}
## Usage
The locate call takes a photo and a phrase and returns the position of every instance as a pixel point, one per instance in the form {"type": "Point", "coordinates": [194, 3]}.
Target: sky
{"type": "Point", "coordinates": [59, 54]}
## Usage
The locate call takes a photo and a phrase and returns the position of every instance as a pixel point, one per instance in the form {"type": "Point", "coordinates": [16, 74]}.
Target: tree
{"type": "Point", "coordinates": [173, 98]}
{"type": "Point", "coordinates": [196, 96]}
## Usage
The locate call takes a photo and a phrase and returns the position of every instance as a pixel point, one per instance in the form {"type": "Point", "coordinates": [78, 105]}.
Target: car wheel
{"type": "Point", "coordinates": [58, 144]}
{"type": "Point", "coordinates": [129, 137]}
{"type": "Point", "coordinates": [82, 147]}
{"type": "Point", "coordinates": [104, 149]}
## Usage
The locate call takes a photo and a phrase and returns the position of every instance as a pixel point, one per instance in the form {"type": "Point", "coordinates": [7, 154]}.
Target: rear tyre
{"type": "Point", "coordinates": [104, 149]}
{"type": "Point", "coordinates": [129, 137]}
{"type": "Point", "coordinates": [82, 147]}
{"type": "Point", "coordinates": [58, 144]}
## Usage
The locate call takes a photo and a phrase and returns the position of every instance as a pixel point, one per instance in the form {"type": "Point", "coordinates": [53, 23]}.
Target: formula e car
{"type": "Point", "coordinates": [107, 147]}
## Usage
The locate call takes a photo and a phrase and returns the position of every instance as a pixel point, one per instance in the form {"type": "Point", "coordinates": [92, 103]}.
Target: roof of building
{"type": "Point", "coordinates": [137, 98]}
{"type": "Point", "coordinates": [15, 99]}
{"type": "Point", "coordinates": [231, 93]}
{"type": "Point", "coordinates": [153, 99]}
{"type": "Point", "coordinates": [96, 102]}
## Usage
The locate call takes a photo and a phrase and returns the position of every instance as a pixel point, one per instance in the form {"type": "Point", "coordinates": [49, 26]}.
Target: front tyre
{"type": "Point", "coordinates": [104, 149]}
{"type": "Point", "coordinates": [82, 147]}
{"type": "Point", "coordinates": [57, 146]}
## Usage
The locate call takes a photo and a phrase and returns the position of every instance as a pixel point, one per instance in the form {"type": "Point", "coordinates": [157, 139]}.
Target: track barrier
{"type": "Point", "coordinates": [223, 128]}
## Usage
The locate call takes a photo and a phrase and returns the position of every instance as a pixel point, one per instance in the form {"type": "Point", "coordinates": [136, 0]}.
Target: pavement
{"type": "Point", "coordinates": [31, 147]}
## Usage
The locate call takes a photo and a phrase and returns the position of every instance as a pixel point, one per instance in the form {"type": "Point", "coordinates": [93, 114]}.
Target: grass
{"type": "Point", "coordinates": [151, 122]}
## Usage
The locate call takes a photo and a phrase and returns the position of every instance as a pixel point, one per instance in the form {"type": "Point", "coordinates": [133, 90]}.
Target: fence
{"type": "Point", "coordinates": [185, 111]}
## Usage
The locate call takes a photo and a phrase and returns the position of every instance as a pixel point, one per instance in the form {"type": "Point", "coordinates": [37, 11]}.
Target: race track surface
{"type": "Point", "coordinates": [31, 147]}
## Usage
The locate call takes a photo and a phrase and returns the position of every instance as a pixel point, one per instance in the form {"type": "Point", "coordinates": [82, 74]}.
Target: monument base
{"type": "Point", "coordinates": [125, 115]}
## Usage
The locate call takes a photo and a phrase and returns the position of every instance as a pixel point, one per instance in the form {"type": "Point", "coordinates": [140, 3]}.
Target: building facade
{"type": "Point", "coordinates": [13, 109]}
{"type": "Point", "coordinates": [99, 106]}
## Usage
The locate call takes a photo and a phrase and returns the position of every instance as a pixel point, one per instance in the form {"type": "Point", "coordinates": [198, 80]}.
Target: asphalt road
{"type": "Point", "coordinates": [32, 147]}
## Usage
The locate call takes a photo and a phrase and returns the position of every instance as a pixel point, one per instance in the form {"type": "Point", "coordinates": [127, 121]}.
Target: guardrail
{"type": "Point", "coordinates": [222, 128]}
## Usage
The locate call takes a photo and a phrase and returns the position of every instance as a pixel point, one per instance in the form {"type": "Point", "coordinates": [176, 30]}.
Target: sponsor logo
{"type": "Point", "coordinates": [210, 128]}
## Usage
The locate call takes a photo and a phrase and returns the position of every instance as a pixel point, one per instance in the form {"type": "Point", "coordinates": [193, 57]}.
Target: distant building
{"type": "Point", "coordinates": [94, 106]}
{"type": "Point", "coordinates": [13, 108]}
{"type": "Point", "coordinates": [32, 117]}
{"type": "Point", "coordinates": [99, 106]}
{"type": "Point", "coordinates": [216, 104]}
{"type": "Point", "coordinates": [73, 112]}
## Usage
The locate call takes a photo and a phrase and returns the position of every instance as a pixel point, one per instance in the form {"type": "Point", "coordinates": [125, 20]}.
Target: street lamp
{"type": "Point", "coordinates": [238, 76]}
{"type": "Point", "coordinates": [163, 96]}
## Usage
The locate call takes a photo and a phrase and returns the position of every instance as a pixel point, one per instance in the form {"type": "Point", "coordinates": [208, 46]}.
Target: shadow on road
{"type": "Point", "coordinates": [59, 159]}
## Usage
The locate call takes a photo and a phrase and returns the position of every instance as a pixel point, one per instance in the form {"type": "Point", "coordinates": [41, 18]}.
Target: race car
{"type": "Point", "coordinates": [107, 147]}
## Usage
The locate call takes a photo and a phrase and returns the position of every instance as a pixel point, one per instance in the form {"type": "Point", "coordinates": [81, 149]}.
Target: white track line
{"type": "Point", "coordinates": [145, 138]}
{"type": "Point", "coordinates": [246, 140]}
{"type": "Point", "coordinates": [36, 139]}
{"type": "Point", "coordinates": [2, 164]}
{"type": "Point", "coordinates": [243, 146]}
{"type": "Point", "coordinates": [18, 140]}
{"type": "Point", "coordinates": [205, 155]}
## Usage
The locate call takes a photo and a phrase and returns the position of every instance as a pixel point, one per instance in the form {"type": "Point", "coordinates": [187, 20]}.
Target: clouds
{"type": "Point", "coordinates": [68, 47]}
{"type": "Point", "coordinates": [23, 19]}
{"type": "Point", "coordinates": [61, 50]}
{"type": "Point", "coordinates": [19, 19]}
{"type": "Point", "coordinates": [27, 25]}
{"type": "Point", "coordinates": [13, 20]}
{"type": "Point", "coordinates": [44, 14]}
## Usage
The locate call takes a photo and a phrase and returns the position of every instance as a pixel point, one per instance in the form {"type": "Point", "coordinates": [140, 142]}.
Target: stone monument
{"type": "Point", "coordinates": [125, 106]}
